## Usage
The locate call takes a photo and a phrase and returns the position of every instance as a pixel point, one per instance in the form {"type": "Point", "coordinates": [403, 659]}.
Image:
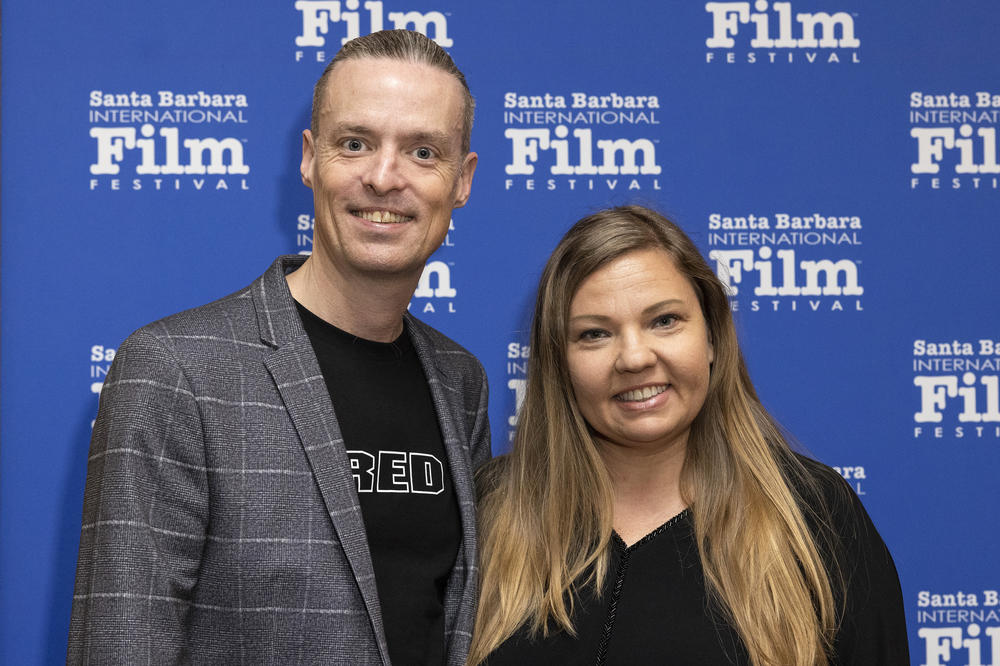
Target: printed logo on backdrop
{"type": "Point", "coordinates": [434, 293]}
{"type": "Point", "coordinates": [581, 141]}
{"type": "Point", "coordinates": [329, 24]}
{"type": "Point", "coordinates": [957, 389]}
{"type": "Point", "coordinates": [100, 362]}
{"type": "Point", "coordinates": [958, 627]}
{"type": "Point", "coordinates": [517, 382]}
{"type": "Point", "coordinates": [788, 262]}
{"type": "Point", "coordinates": [165, 140]}
{"type": "Point", "coordinates": [954, 140]}
{"type": "Point", "coordinates": [778, 32]}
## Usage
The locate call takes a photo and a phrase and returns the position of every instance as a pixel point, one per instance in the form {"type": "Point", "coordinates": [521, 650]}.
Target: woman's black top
{"type": "Point", "coordinates": [653, 607]}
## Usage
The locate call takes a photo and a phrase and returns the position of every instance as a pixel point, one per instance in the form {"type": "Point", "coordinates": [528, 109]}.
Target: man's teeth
{"type": "Point", "coordinates": [641, 394]}
{"type": "Point", "coordinates": [381, 216]}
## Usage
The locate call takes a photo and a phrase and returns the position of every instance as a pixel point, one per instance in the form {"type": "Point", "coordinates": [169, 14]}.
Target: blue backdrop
{"type": "Point", "coordinates": [836, 160]}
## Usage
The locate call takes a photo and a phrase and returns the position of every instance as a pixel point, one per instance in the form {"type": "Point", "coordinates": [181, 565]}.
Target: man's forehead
{"type": "Point", "coordinates": [418, 88]}
{"type": "Point", "coordinates": [364, 68]}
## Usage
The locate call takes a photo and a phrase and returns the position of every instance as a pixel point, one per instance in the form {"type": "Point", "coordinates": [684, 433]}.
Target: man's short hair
{"type": "Point", "coordinates": [405, 45]}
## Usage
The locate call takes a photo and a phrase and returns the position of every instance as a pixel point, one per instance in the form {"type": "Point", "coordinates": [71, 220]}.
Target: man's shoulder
{"type": "Point", "coordinates": [231, 316]}
{"type": "Point", "coordinates": [222, 315]}
{"type": "Point", "coordinates": [227, 321]}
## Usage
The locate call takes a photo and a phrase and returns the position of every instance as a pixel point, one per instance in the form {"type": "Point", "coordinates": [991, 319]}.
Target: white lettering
{"type": "Point", "coordinates": [937, 389]}
{"type": "Point", "coordinates": [443, 289]}
{"type": "Point", "coordinates": [728, 16]}
{"type": "Point", "coordinates": [932, 142]}
{"type": "Point", "coordinates": [318, 15]}
{"type": "Point", "coordinates": [113, 142]}
{"type": "Point", "coordinates": [732, 265]}
{"type": "Point", "coordinates": [526, 145]}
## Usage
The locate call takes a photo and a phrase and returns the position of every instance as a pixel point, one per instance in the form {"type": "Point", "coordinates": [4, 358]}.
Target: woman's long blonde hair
{"type": "Point", "coordinates": [546, 510]}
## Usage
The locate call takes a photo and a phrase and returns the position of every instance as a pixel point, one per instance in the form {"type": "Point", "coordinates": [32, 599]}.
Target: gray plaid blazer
{"type": "Point", "coordinates": [221, 523]}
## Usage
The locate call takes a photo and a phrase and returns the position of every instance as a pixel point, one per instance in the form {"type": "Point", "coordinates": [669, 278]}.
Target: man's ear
{"type": "Point", "coordinates": [465, 179]}
{"type": "Point", "coordinates": [308, 155]}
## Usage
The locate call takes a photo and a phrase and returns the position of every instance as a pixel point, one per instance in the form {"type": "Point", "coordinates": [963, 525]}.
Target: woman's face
{"type": "Point", "coordinates": [639, 352]}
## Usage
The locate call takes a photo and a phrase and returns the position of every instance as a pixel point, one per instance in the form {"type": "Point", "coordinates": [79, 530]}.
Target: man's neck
{"type": "Point", "coordinates": [368, 307]}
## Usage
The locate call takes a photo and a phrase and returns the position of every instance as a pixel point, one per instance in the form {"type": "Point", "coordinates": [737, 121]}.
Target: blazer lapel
{"type": "Point", "coordinates": [446, 392]}
{"type": "Point", "coordinates": [296, 373]}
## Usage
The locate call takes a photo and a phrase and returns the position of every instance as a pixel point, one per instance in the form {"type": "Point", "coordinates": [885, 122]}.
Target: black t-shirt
{"type": "Point", "coordinates": [390, 428]}
{"type": "Point", "coordinates": [653, 608]}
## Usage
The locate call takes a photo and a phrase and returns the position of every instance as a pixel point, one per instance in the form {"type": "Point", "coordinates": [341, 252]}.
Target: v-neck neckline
{"type": "Point", "coordinates": [621, 545]}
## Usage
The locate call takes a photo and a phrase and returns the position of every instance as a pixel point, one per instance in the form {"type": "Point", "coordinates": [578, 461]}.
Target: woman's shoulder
{"type": "Point", "coordinates": [820, 487]}
{"type": "Point", "coordinates": [836, 515]}
{"type": "Point", "coordinates": [864, 577]}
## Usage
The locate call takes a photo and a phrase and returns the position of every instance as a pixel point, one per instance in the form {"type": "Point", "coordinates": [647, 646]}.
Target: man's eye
{"type": "Point", "coordinates": [354, 145]}
{"type": "Point", "coordinates": [423, 153]}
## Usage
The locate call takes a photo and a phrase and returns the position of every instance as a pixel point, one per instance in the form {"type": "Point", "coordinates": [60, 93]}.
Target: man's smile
{"type": "Point", "coordinates": [381, 216]}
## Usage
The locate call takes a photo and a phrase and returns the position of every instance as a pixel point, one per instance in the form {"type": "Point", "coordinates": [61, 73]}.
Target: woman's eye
{"type": "Point", "coordinates": [593, 334]}
{"type": "Point", "coordinates": [666, 320]}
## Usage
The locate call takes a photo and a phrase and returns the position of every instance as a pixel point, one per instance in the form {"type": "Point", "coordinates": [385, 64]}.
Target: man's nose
{"type": "Point", "coordinates": [384, 172]}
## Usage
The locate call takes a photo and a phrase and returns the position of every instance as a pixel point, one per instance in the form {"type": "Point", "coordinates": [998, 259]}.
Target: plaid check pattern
{"type": "Point", "coordinates": [221, 524]}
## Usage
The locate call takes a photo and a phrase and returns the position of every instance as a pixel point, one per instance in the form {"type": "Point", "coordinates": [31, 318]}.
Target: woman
{"type": "Point", "coordinates": [650, 511]}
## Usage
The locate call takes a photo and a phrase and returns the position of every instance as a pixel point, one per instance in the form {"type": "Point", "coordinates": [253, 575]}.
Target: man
{"type": "Point", "coordinates": [284, 476]}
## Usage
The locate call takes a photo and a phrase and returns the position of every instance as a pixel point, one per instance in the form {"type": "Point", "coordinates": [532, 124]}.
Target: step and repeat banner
{"type": "Point", "coordinates": [835, 160]}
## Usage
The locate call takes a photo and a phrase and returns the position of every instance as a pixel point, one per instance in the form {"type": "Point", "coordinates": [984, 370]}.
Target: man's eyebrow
{"type": "Point", "coordinates": [418, 136]}
{"type": "Point", "coordinates": [350, 129]}
{"type": "Point", "coordinates": [429, 136]}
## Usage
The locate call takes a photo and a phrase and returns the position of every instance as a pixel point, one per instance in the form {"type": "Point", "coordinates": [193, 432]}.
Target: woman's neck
{"type": "Point", "coordinates": [646, 487]}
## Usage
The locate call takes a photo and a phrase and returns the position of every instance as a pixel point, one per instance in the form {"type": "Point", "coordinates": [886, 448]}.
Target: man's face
{"type": "Point", "coordinates": [386, 166]}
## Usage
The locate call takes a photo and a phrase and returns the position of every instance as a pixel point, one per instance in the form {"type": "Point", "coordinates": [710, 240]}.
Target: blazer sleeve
{"type": "Point", "coordinates": [480, 439]}
{"type": "Point", "coordinates": [145, 513]}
